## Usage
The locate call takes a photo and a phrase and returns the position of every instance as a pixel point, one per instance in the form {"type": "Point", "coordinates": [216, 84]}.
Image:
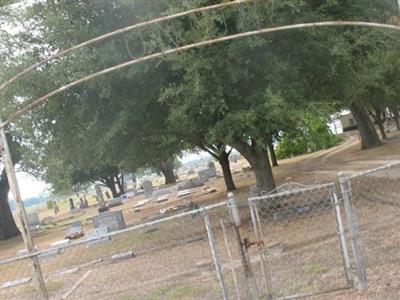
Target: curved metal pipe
{"type": "Point", "coordinates": [117, 32]}
{"type": "Point", "coordinates": [38, 101]}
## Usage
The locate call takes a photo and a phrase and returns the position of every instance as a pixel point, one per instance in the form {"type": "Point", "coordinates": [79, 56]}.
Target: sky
{"type": "Point", "coordinates": [29, 185]}
{"type": "Point", "coordinates": [32, 187]}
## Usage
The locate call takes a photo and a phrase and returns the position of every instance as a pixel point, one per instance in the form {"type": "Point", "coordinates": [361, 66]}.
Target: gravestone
{"type": "Point", "coordinates": [71, 204]}
{"type": "Point", "coordinates": [99, 195]}
{"type": "Point", "coordinates": [114, 202]}
{"type": "Point", "coordinates": [207, 174]}
{"type": "Point", "coordinates": [56, 209]}
{"type": "Point", "coordinates": [114, 220]}
{"type": "Point", "coordinates": [162, 192]}
{"type": "Point", "coordinates": [97, 236]}
{"type": "Point", "coordinates": [75, 230]}
{"type": "Point", "coordinates": [82, 203]}
{"type": "Point", "coordinates": [148, 188]}
{"type": "Point", "coordinates": [32, 219]}
{"type": "Point", "coordinates": [190, 184]}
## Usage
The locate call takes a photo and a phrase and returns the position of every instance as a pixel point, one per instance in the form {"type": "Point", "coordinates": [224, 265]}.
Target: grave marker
{"type": "Point", "coordinates": [114, 220]}
{"type": "Point", "coordinates": [148, 188]}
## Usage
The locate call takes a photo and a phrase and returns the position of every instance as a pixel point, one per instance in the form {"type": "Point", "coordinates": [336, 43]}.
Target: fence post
{"type": "Point", "coordinates": [342, 238]}
{"type": "Point", "coordinates": [244, 256]}
{"type": "Point", "coordinates": [214, 254]}
{"type": "Point", "coordinates": [355, 243]}
{"type": "Point", "coordinates": [26, 234]}
{"type": "Point", "coordinates": [259, 236]}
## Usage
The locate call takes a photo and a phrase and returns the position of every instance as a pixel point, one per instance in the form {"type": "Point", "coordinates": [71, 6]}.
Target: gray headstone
{"type": "Point", "coordinates": [99, 195]}
{"type": "Point", "coordinates": [148, 188]}
{"type": "Point", "coordinates": [114, 220]}
{"type": "Point", "coordinates": [207, 174]}
{"type": "Point", "coordinates": [82, 203]}
{"type": "Point", "coordinates": [75, 228]}
{"type": "Point", "coordinates": [114, 202]}
{"type": "Point", "coordinates": [190, 184]}
{"type": "Point", "coordinates": [162, 192]}
{"type": "Point", "coordinates": [33, 219]}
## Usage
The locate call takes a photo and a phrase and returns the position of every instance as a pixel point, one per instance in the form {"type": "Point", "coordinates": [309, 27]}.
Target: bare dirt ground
{"type": "Point", "coordinates": [183, 270]}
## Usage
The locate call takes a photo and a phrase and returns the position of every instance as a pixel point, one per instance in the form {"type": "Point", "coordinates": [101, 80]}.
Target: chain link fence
{"type": "Point", "coordinates": [372, 201]}
{"type": "Point", "coordinates": [167, 258]}
{"type": "Point", "coordinates": [287, 244]}
{"type": "Point", "coordinates": [300, 241]}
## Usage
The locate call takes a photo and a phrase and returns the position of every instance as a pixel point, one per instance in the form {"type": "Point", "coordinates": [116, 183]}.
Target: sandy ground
{"type": "Point", "coordinates": [310, 261]}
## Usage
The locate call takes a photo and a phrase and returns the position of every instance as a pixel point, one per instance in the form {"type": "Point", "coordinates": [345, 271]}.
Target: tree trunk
{"type": "Point", "coordinates": [113, 190]}
{"type": "Point", "coordinates": [396, 117]}
{"type": "Point", "coordinates": [379, 116]}
{"type": "Point", "coordinates": [368, 134]}
{"type": "Point", "coordinates": [120, 183]}
{"type": "Point", "coordinates": [382, 130]}
{"type": "Point", "coordinates": [223, 160]}
{"type": "Point", "coordinates": [258, 159]}
{"type": "Point", "coordinates": [167, 168]}
{"type": "Point", "coordinates": [109, 182]}
{"type": "Point", "coordinates": [274, 160]}
{"type": "Point", "coordinates": [8, 228]}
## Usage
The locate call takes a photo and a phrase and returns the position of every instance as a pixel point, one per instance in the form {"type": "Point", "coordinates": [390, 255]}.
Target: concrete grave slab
{"type": "Point", "coordinates": [184, 193]}
{"type": "Point", "coordinates": [162, 199]}
{"type": "Point", "coordinates": [17, 282]}
{"type": "Point", "coordinates": [98, 235]}
{"type": "Point", "coordinates": [122, 256]}
{"type": "Point", "coordinates": [114, 202]}
{"type": "Point", "coordinates": [60, 244]}
{"type": "Point", "coordinates": [64, 272]}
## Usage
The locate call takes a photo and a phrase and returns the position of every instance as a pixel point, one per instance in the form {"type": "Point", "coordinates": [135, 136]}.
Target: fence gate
{"type": "Point", "coordinates": [299, 247]}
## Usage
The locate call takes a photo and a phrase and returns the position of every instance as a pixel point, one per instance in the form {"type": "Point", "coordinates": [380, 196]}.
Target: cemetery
{"type": "Point", "coordinates": [240, 149]}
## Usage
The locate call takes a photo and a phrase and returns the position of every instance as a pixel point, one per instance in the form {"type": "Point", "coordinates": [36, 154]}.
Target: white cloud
{"type": "Point", "coordinates": [29, 185]}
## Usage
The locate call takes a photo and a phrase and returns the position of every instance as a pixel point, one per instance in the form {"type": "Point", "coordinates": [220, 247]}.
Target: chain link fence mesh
{"type": "Point", "coordinates": [375, 201]}
{"type": "Point", "coordinates": [300, 241]}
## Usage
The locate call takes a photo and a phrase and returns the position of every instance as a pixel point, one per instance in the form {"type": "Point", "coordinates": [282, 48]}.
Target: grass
{"type": "Point", "coordinates": [316, 268]}
{"type": "Point", "coordinates": [170, 292]}
{"type": "Point", "coordinates": [53, 286]}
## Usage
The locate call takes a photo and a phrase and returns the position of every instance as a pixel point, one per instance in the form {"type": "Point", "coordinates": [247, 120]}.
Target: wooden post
{"type": "Point", "coordinates": [26, 235]}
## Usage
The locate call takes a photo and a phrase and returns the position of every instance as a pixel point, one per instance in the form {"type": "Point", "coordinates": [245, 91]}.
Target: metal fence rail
{"type": "Point", "coordinates": [372, 202]}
